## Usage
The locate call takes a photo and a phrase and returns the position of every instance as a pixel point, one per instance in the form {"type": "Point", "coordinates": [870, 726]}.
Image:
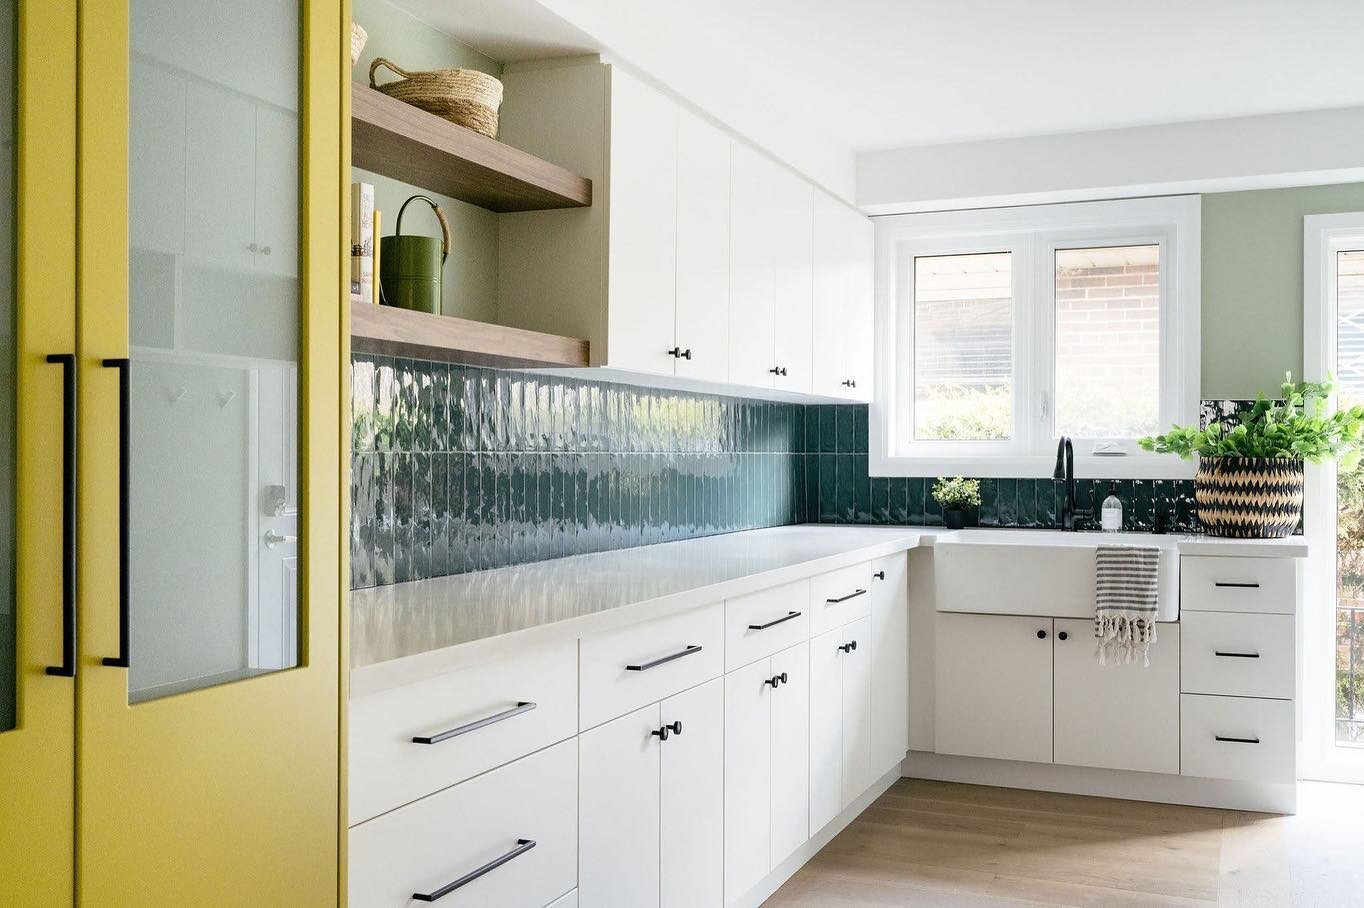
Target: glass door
{"type": "Point", "coordinates": [211, 363]}
{"type": "Point", "coordinates": [1332, 618]}
{"type": "Point", "coordinates": [37, 321]}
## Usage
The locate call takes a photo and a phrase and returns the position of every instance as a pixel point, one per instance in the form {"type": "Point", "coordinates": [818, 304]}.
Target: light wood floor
{"type": "Point", "coordinates": [935, 843]}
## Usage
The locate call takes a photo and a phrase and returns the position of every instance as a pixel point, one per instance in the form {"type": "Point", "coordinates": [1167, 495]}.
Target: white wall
{"type": "Point", "coordinates": [1305, 148]}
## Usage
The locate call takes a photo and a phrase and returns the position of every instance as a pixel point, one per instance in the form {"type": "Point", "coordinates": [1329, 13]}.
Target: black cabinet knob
{"type": "Point", "coordinates": [849, 646]}
{"type": "Point", "coordinates": [880, 575]}
{"type": "Point", "coordinates": [1041, 635]}
{"type": "Point", "coordinates": [662, 734]}
{"type": "Point", "coordinates": [778, 370]}
{"type": "Point", "coordinates": [675, 351]}
{"type": "Point", "coordinates": [849, 383]}
{"type": "Point", "coordinates": [686, 354]}
{"type": "Point", "coordinates": [1062, 636]}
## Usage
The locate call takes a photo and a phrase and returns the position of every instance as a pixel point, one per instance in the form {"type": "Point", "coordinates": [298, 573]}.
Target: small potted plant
{"type": "Point", "coordinates": [955, 496]}
{"type": "Point", "coordinates": [1249, 483]}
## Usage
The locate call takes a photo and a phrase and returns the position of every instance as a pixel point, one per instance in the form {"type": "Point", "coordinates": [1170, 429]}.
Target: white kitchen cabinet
{"type": "Point", "coordinates": [642, 243]}
{"type": "Point", "coordinates": [701, 333]}
{"type": "Point", "coordinates": [618, 804]}
{"type": "Point", "coordinates": [754, 180]}
{"type": "Point", "coordinates": [766, 766]}
{"type": "Point", "coordinates": [840, 719]}
{"type": "Point", "coordinates": [843, 300]}
{"type": "Point", "coordinates": [156, 177]}
{"type": "Point", "coordinates": [993, 684]}
{"type": "Point", "coordinates": [220, 214]}
{"type": "Point", "coordinates": [889, 662]}
{"type": "Point", "coordinates": [792, 277]}
{"type": "Point", "coordinates": [1116, 716]}
{"type": "Point", "coordinates": [652, 807]}
{"type": "Point", "coordinates": [790, 752]}
{"type": "Point", "coordinates": [692, 799]}
{"type": "Point", "coordinates": [276, 191]}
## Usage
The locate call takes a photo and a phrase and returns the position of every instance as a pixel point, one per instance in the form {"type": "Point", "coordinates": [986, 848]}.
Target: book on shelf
{"type": "Point", "coordinates": [362, 242]}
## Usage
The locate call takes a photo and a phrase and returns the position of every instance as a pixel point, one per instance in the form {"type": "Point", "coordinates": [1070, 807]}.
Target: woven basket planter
{"type": "Point", "coordinates": [1249, 497]}
{"type": "Point", "coordinates": [465, 97]}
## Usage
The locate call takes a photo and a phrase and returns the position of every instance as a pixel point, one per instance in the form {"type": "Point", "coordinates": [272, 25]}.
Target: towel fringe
{"type": "Point", "coordinates": [1123, 639]}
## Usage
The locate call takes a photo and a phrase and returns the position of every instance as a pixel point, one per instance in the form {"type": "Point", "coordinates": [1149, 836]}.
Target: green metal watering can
{"type": "Point", "coordinates": [410, 266]}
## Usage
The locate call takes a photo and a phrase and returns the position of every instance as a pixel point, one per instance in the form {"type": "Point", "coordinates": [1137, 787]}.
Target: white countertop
{"type": "Point", "coordinates": [403, 632]}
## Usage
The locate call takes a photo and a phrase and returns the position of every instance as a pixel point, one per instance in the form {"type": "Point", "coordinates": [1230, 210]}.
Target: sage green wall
{"type": "Point", "coordinates": [1252, 283]}
{"type": "Point", "coordinates": [469, 282]}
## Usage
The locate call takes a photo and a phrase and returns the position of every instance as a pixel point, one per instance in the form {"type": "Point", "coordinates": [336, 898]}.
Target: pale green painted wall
{"type": "Point", "coordinates": [469, 281]}
{"type": "Point", "coordinates": [1252, 283]}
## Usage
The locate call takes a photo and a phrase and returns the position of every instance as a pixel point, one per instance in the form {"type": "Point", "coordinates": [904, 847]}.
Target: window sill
{"type": "Point", "coordinates": [1087, 466]}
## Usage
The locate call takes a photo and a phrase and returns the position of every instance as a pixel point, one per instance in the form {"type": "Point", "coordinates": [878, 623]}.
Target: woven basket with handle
{"type": "Point", "coordinates": [465, 97]}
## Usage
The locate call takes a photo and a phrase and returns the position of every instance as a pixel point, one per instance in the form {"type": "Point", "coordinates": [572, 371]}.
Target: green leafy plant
{"type": "Point", "coordinates": [1296, 427]}
{"type": "Point", "coordinates": [957, 493]}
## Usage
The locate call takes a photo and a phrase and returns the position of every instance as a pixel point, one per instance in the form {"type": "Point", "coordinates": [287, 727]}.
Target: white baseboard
{"type": "Point", "coordinates": [787, 869]}
{"type": "Point", "coordinates": [1105, 783]}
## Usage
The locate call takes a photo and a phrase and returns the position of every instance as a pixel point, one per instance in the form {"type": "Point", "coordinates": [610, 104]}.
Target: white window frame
{"type": "Point", "coordinates": [1319, 757]}
{"type": "Point", "coordinates": [1033, 234]}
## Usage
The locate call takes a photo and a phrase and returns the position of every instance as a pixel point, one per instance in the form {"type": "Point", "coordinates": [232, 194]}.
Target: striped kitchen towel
{"type": "Point", "coordinates": [1126, 581]}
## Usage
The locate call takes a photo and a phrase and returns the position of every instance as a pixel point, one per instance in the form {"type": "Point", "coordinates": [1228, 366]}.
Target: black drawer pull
{"type": "Point", "coordinates": [124, 503]}
{"type": "Point", "coordinates": [1238, 586]}
{"type": "Point", "coordinates": [1218, 652]}
{"type": "Point", "coordinates": [1236, 740]}
{"type": "Point", "coordinates": [853, 595]}
{"type": "Point", "coordinates": [522, 846]}
{"type": "Point", "coordinates": [518, 709]}
{"type": "Point", "coordinates": [774, 622]}
{"type": "Point", "coordinates": [645, 666]}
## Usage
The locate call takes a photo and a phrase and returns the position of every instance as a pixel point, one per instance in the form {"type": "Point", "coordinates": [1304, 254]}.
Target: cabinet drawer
{"type": "Point", "coordinates": [763, 623]}
{"type": "Point", "coordinates": [1216, 583]}
{"type": "Point", "coordinates": [456, 833]}
{"type": "Point", "coordinates": [634, 666]}
{"type": "Point", "coordinates": [839, 597]}
{"type": "Point", "coordinates": [1238, 654]}
{"type": "Point", "coordinates": [497, 711]}
{"type": "Point", "coordinates": [1236, 738]}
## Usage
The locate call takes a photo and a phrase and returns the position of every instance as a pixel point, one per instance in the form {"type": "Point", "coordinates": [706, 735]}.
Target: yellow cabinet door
{"type": "Point", "coordinates": [37, 320]}
{"type": "Point", "coordinates": [211, 363]}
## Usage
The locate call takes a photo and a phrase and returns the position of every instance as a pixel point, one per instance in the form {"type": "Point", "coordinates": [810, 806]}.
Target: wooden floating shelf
{"type": "Point", "coordinates": [400, 332]}
{"type": "Point", "coordinates": [400, 141]}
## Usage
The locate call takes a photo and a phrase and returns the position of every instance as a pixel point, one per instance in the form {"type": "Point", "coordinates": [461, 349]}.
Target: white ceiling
{"type": "Point", "coordinates": [869, 74]}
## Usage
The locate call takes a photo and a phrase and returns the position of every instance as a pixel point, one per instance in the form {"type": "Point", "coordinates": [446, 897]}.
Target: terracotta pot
{"type": "Point", "coordinates": [1249, 497]}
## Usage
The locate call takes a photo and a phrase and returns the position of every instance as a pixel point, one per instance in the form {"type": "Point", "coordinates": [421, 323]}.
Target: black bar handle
{"type": "Point", "coordinates": [124, 578]}
{"type": "Point", "coordinates": [852, 595]}
{"type": "Point", "coordinates": [68, 363]}
{"type": "Point", "coordinates": [774, 622]}
{"type": "Point", "coordinates": [645, 666]}
{"type": "Point", "coordinates": [1236, 655]}
{"type": "Point", "coordinates": [1237, 586]}
{"type": "Point", "coordinates": [1229, 740]}
{"type": "Point", "coordinates": [522, 846]}
{"type": "Point", "coordinates": [518, 709]}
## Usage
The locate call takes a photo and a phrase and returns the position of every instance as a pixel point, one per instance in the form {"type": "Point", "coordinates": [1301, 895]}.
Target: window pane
{"type": "Point", "coordinates": [963, 347]}
{"type": "Point", "coordinates": [1108, 341]}
{"type": "Point", "coordinates": [1350, 507]}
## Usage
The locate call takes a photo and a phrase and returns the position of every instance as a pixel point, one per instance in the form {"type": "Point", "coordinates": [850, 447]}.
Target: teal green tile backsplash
{"type": "Point", "coordinates": [460, 468]}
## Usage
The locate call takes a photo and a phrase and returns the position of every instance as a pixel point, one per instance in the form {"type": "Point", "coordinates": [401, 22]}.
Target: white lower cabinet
{"type": "Point", "coordinates": [1241, 738]}
{"type": "Point", "coordinates": [507, 838]}
{"type": "Point", "coordinates": [1116, 716]}
{"type": "Point", "coordinates": [766, 766]}
{"type": "Point", "coordinates": [994, 686]}
{"type": "Point", "coordinates": [840, 719]}
{"type": "Point", "coordinates": [651, 806]}
{"type": "Point", "coordinates": [889, 662]}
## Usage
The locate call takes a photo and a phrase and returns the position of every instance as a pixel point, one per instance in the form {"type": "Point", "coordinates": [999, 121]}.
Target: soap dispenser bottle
{"type": "Point", "coordinates": [1111, 515]}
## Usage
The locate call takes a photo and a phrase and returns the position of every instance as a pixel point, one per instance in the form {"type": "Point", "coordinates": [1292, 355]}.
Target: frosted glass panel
{"type": "Point", "coordinates": [214, 334]}
{"type": "Point", "coordinates": [963, 346]}
{"type": "Point", "coordinates": [8, 426]}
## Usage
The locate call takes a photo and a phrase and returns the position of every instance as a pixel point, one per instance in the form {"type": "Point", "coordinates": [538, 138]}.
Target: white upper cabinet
{"type": "Point", "coordinates": [701, 336]}
{"type": "Point", "coordinates": [157, 176]}
{"type": "Point", "coordinates": [221, 218]}
{"type": "Point", "coordinates": [843, 300]}
{"type": "Point", "coordinates": [701, 258]}
{"type": "Point", "coordinates": [642, 248]}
